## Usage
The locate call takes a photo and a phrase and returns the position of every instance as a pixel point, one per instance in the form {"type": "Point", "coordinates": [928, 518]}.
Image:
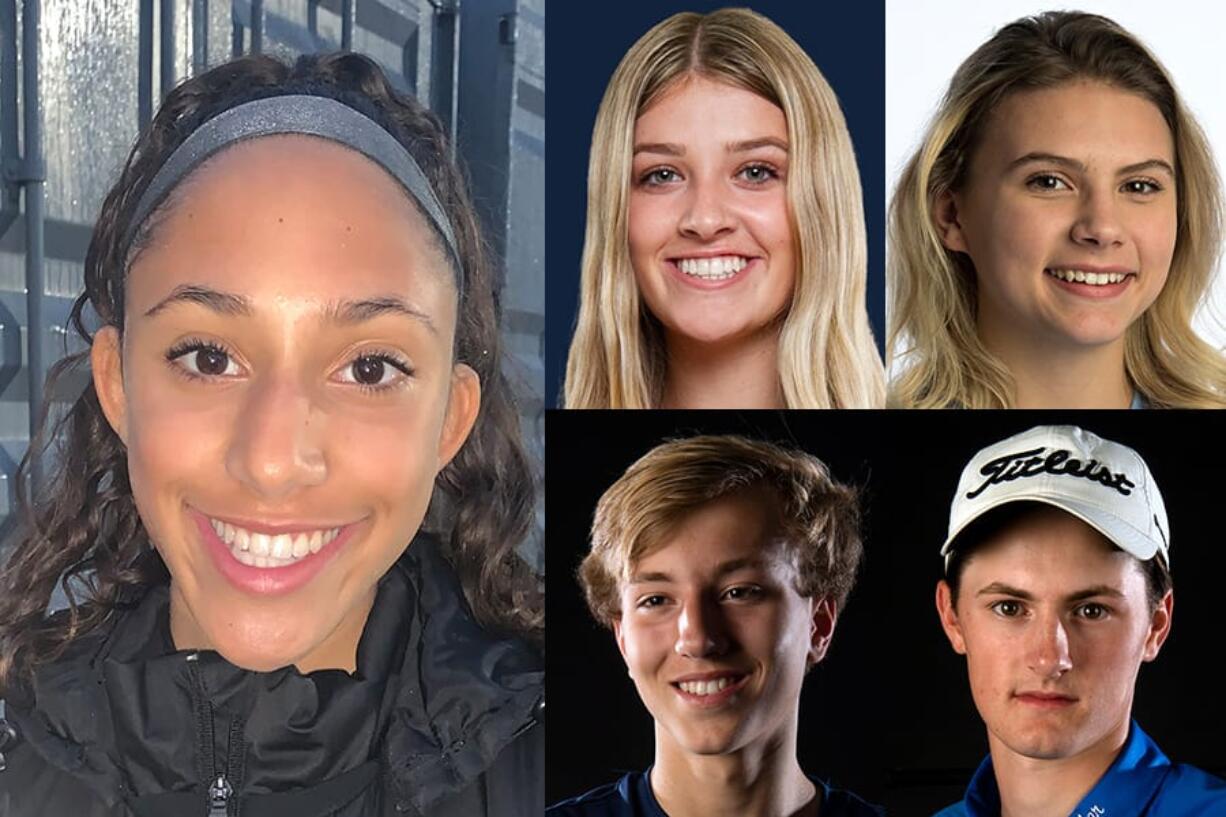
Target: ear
{"type": "Point", "coordinates": [1159, 626]}
{"type": "Point", "coordinates": [949, 227]}
{"type": "Point", "coordinates": [821, 627]}
{"type": "Point", "coordinates": [619, 635]}
{"type": "Point", "coordinates": [949, 618]}
{"type": "Point", "coordinates": [463, 404]}
{"type": "Point", "coordinates": [106, 361]}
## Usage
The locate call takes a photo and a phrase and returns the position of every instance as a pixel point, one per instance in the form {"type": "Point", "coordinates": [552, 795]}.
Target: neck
{"type": "Point", "coordinates": [1031, 787]}
{"type": "Point", "coordinates": [741, 374]}
{"type": "Point", "coordinates": [1050, 373]}
{"type": "Point", "coordinates": [757, 781]}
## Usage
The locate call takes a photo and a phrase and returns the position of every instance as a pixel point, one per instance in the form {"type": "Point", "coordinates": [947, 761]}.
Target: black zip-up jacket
{"type": "Point", "coordinates": [441, 719]}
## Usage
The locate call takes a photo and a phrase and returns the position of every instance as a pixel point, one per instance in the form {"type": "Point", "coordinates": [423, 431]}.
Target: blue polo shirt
{"type": "Point", "coordinates": [632, 797]}
{"type": "Point", "coordinates": [1141, 782]}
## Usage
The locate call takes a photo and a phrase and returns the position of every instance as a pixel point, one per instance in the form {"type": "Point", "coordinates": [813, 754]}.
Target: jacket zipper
{"type": "Point", "coordinates": [219, 797]}
{"type": "Point", "coordinates": [219, 789]}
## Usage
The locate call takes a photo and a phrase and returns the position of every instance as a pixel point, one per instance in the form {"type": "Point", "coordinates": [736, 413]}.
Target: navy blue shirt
{"type": "Point", "coordinates": [1141, 782]}
{"type": "Point", "coordinates": [632, 797]}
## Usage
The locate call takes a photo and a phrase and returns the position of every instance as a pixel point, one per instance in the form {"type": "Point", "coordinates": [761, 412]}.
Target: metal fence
{"type": "Point", "coordinates": [78, 78]}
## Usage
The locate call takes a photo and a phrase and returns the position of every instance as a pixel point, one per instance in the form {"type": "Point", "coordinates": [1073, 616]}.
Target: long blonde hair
{"type": "Point", "coordinates": [827, 358]}
{"type": "Point", "coordinates": [933, 296]}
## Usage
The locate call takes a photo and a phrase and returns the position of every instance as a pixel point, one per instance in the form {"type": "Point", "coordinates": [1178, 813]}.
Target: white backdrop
{"type": "Point", "coordinates": [927, 41]}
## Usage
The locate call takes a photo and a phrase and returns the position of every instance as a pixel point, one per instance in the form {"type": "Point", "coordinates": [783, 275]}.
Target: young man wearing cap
{"type": "Point", "coordinates": [721, 564]}
{"type": "Point", "coordinates": [1057, 588]}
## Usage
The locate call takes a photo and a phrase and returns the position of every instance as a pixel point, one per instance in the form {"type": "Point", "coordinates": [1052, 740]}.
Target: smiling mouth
{"type": "Point", "coordinates": [719, 268]}
{"type": "Point", "coordinates": [271, 550]}
{"type": "Point", "coordinates": [1098, 279]}
{"type": "Point", "coordinates": [710, 690]}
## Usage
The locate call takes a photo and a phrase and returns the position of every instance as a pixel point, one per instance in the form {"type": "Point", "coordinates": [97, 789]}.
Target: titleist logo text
{"type": "Point", "coordinates": [1032, 463]}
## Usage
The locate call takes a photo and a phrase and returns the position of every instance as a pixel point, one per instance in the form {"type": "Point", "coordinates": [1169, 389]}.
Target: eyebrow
{"type": "Point", "coordinates": [1002, 589]}
{"type": "Point", "coordinates": [731, 566]}
{"type": "Point", "coordinates": [755, 144]}
{"type": "Point", "coordinates": [1074, 164]}
{"type": "Point", "coordinates": [673, 149]}
{"type": "Point", "coordinates": [346, 312]}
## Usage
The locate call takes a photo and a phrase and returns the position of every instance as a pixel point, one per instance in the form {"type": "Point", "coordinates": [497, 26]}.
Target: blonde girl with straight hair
{"type": "Point", "coordinates": [936, 354]}
{"type": "Point", "coordinates": [826, 355]}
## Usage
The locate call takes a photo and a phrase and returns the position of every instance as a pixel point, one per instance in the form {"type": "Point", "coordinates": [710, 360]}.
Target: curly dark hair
{"type": "Point", "coordinates": [81, 527]}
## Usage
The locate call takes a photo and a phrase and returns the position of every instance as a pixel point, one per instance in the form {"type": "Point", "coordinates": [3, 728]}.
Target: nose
{"type": "Point", "coordinates": [1097, 223]}
{"type": "Point", "coordinates": [1047, 652]}
{"type": "Point", "coordinates": [700, 630]}
{"type": "Point", "coordinates": [276, 448]}
{"type": "Point", "coordinates": [706, 215]}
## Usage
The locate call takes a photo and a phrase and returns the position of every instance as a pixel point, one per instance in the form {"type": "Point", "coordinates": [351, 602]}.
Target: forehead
{"type": "Point", "coordinates": [696, 110]}
{"type": "Point", "coordinates": [1092, 122]}
{"type": "Point", "coordinates": [742, 526]}
{"type": "Point", "coordinates": [1050, 551]}
{"type": "Point", "coordinates": [292, 215]}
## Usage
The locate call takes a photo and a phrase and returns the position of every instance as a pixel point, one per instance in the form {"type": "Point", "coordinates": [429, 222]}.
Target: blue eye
{"type": "Point", "coordinates": [659, 176]}
{"type": "Point", "coordinates": [758, 173]}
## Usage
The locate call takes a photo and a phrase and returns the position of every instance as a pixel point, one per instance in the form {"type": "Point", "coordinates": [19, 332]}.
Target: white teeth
{"type": "Point", "coordinates": [1091, 278]}
{"type": "Point", "coordinates": [705, 687]}
{"type": "Point", "coordinates": [713, 269]}
{"type": "Point", "coordinates": [261, 544]}
{"type": "Point", "coordinates": [264, 550]}
{"type": "Point", "coordinates": [282, 546]}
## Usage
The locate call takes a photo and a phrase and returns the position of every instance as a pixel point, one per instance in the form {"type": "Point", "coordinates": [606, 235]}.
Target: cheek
{"type": "Point", "coordinates": [1155, 236]}
{"type": "Point", "coordinates": [647, 646]}
{"type": "Point", "coordinates": [769, 223]}
{"type": "Point", "coordinates": [1005, 236]}
{"type": "Point", "coordinates": [650, 225]}
{"type": "Point", "coordinates": [989, 659]}
{"type": "Point", "coordinates": [172, 439]}
{"type": "Point", "coordinates": [388, 457]}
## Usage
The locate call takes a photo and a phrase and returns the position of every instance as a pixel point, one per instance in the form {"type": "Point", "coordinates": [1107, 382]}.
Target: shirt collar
{"type": "Point", "coordinates": [1125, 789]}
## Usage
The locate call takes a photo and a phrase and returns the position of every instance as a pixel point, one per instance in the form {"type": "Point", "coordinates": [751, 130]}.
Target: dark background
{"type": "Point", "coordinates": [845, 40]}
{"type": "Point", "coordinates": [888, 714]}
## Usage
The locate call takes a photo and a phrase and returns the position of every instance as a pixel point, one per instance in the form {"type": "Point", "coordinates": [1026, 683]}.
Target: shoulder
{"type": "Point", "coordinates": [609, 800]}
{"type": "Point", "coordinates": [32, 787]}
{"type": "Point", "coordinates": [1187, 790]}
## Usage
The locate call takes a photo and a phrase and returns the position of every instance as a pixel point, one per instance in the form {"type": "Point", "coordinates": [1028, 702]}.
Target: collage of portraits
{"type": "Point", "coordinates": [825, 426]}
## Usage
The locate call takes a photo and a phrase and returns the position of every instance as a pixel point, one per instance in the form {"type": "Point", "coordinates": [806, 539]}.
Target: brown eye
{"type": "Point", "coordinates": [203, 359]}
{"type": "Point", "coordinates": [212, 362]}
{"type": "Point", "coordinates": [376, 370]}
{"type": "Point", "coordinates": [369, 371]}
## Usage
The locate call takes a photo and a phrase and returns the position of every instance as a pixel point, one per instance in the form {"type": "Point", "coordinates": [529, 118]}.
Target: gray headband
{"type": "Point", "coordinates": [305, 114]}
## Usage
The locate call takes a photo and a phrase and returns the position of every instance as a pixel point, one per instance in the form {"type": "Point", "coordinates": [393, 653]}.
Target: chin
{"type": "Point", "coordinates": [1042, 743]}
{"type": "Point", "coordinates": [260, 650]}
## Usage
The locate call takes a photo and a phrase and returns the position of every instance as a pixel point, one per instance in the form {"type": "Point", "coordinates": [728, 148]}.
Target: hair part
{"type": "Point", "coordinates": [81, 529]}
{"type": "Point", "coordinates": [827, 357]}
{"type": "Point", "coordinates": [933, 347]}
{"type": "Point", "coordinates": [819, 518]}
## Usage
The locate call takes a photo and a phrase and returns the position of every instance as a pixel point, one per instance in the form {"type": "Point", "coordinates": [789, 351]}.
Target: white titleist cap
{"type": "Point", "coordinates": [1106, 485]}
